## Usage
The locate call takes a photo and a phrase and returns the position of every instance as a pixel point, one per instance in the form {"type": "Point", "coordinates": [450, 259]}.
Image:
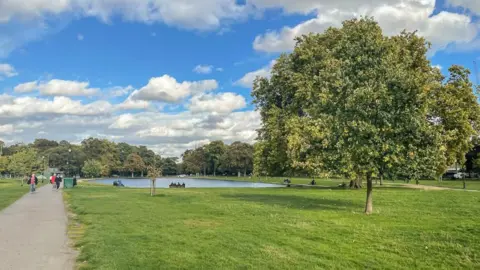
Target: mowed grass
{"type": "Point", "coordinates": [276, 229]}
{"type": "Point", "coordinates": [457, 184]}
{"type": "Point", "coordinates": [10, 191]}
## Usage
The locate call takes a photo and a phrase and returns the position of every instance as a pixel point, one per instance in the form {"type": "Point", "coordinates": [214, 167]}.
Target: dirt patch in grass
{"type": "Point", "coordinates": [425, 187]}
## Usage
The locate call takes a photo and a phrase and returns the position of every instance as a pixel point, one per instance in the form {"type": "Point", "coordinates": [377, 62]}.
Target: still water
{"type": "Point", "coordinates": [189, 183]}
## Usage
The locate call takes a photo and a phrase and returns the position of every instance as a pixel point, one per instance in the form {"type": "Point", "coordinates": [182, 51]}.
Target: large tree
{"type": "Point", "coordinates": [352, 102]}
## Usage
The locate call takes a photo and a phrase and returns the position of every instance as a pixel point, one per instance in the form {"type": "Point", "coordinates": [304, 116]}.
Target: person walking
{"type": "Point", "coordinates": [52, 181]}
{"type": "Point", "coordinates": [33, 182]}
{"type": "Point", "coordinates": [58, 179]}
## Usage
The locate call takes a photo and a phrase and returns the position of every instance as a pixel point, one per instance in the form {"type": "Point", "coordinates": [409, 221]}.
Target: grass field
{"type": "Point", "coordinates": [458, 184]}
{"type": "Point", "coordinates": [10, 191]}
{"type": "Point", "coordinates": [276, 229]}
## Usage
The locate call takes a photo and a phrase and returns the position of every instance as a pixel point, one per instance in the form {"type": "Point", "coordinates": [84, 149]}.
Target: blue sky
{"type": "Point", "coordinates": [128, 72]}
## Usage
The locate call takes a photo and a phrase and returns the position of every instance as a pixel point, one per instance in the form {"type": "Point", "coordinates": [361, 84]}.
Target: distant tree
{"type": "Point", "coordinates": [24, 162]}
{"type": "Point", "coordinates": [240, 157]}
{"type": "Point", "coordinates": [194, 161]}
{"type": "Point", "coordinates": [134, 163]}
{"type": "Point", "coordinates": [169, 165]}
{"type": "Point", "coordinates": [4, 162]}
{"type": "Point", "coordinates": [92, 168]}
{"type": "Point", "coordinates": [214, 151]}
{"type": "Point", "coordinates": [455, 111]}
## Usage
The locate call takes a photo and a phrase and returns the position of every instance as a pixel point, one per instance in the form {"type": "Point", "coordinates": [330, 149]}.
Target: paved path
{"type": "Point", "coordinates": [33, 233]}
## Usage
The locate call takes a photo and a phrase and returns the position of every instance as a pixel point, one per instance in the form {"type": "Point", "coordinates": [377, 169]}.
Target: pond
{"type": "Point", "coordinates": [189, 183]}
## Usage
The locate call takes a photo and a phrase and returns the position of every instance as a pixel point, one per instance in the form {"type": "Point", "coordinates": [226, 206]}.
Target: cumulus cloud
{"type": "Point", "coordinates": [58, 88]}
{"type": "Point", "coordinates": [167, 89]}
{"type": "Point", "coordinates": [393, 16]}
{"type": "Point", "coordinates": [26, 87]}
{"type": "Point", "coordinates": [207, 14]}
{"type": "Point", "coordinates": [220, 103]}
{"type": "Point", "coordinates": [12, 107]}
{"type": "Point", "coordinates": [248, 79]}
{"type": "Point", "coordinates": [7, 71]}
{"type": "Point", "coordinates": [132, 104]}
{"type": "Point", "coordinates": [472, 5]}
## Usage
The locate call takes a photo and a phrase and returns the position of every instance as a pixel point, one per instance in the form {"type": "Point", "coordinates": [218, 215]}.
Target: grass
{"type": "Point", "coordinates": [458, 184]}
{"type": "Point", "coordinates": [275, 229]}
{"type": "Point", "coordinates": [10, 191]}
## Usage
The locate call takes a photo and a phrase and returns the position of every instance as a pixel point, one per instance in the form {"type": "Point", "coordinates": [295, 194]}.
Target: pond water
{"type": "Point", "coordinates": [189, 183]}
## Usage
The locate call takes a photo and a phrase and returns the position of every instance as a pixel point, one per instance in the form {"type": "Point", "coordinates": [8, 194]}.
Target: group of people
{"type": "Point", "coordinates": [177, 185]}
{"type": "Point", "coordinates": [118, 183]}
{"type": "Point", "coordinates": [55, 180]}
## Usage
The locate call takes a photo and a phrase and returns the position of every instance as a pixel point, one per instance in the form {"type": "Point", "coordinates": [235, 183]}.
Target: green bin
{"type": "Point", "coordinates": [68, 183]}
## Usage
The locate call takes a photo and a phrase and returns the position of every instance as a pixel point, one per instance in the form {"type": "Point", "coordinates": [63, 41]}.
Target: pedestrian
{"type": "Point", "coordinates": [52, 181]}
{"type": "Point", "coordinates": [33, 181]}
{"type": "Point", "coordinates": [58, 179]}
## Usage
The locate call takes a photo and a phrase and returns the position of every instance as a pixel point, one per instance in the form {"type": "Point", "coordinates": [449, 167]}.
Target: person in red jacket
{"type": "Point", "coordinates": [33, 181]}
{"type": "Point", "coordinates": [52, 181]}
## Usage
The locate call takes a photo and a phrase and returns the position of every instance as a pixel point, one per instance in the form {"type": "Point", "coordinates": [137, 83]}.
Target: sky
{"type": "Point", "coordinates": [174, 75]}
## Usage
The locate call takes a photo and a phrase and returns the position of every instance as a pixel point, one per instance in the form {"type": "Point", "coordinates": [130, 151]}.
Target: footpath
{"type": "Point", "coordinates": [33, 233]}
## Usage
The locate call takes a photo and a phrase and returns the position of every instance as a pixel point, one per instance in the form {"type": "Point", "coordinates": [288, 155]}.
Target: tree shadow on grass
{"type": "Point", "coordinates": [297, 202]}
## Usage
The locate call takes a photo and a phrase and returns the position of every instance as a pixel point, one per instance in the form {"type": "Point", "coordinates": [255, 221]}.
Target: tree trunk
{"type": "Point", "coordinates": [132, 174]}
{"type": "Point", "coordinates": [381, 180]}
{"type": "Point", "coordinates": [417, 182]}
{"type": "Point", "coordinates": [142, 174]}
{"type": "Point", "coordinates": [464, 184]}
{"type": "Point", "coordinates": [369, 203]}
{"type": "Point", "coordinates": [357, 183]}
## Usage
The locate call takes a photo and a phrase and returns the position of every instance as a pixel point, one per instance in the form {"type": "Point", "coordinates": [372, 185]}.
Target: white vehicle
{"type": "Point", "coordinates": [459, 175]}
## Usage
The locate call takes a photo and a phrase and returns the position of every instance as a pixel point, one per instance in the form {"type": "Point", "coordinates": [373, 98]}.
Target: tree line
{"type": "Point", "coordinates": [100, 157]}
{"type": "Point", "coordinates": [92, 158]}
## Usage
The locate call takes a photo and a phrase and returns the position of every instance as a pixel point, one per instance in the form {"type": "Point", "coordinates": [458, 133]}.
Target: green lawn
{"type": "Point", "coordinates": [471, 184]}
{"type": "Point", "coordinates": [10, 191]}
{"type": "Point", "coordinates": [276, 229]}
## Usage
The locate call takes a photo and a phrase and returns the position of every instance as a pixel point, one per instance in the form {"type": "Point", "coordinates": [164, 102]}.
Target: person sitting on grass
{"type": "Point", "coordinates": [313, 183]}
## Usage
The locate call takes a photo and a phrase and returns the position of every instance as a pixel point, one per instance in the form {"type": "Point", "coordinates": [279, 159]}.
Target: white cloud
{"type": "Point", "coordinates": [7, 70]}
{"type": "Point", "coordinates": [393, 16]}
{"type": "Point", "coordinates": [119, 91]}
{"type": "Point", "coordinates": [167, 89]}
{"type": "Point", "coordinates": [472, 5]}
{"type": "Point", "coordinates": [203, 69]}
{"type": "Point", "coordinates": [58, 88]}
{"type": "Point", "coordinates": [439, 67]}
{"type": "Point", "coordinates": [35, 107]}
{"type": "Point", "coordinates": [248, 79]}
{"type": "Point", "coordinates": [7, 129]}
{"type": "Point", "coordinates": [131, 104]}
{"type": "Point", "coordinates": [26, 87]}
{"type": "Point", "coordinates": [219, 69]}
{"type": "Point", "coordinates": [192, 14]}
{"type": "Point", "coordinates": [80, 37]}
{"type": "Point", "coordinates": [220, 103]}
